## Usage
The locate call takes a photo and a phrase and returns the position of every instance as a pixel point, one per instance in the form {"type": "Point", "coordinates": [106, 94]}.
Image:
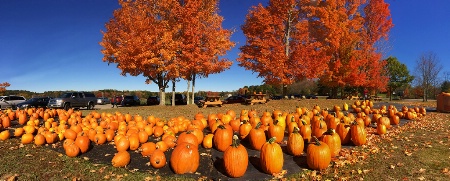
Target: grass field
{"type": "Point", "coordinates": [417, 150]}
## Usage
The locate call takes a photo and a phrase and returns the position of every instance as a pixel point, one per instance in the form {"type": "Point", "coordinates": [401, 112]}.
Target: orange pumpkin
{"type": "Point", "coordinates": [257, 137]}
{"type": "Point", "coordinates": [271, 157]}
{"type": "Point", "coordinates": [147, 149]}
{"type": "Point", "coordinates": [295, 143]}
{"type": "Point", "coordinates": [4, 135]}
{"type": "Point", "coordinates": [158, 159]}
{"type": "Point", "coordinates": [235, 159]}
{"type": "Point", "coordinates": [318, 155]}
{"type": "Point", "coordinates": [333, 141]}
{"type": "Point", "coordinates": [83, 143]}
{"type": "Point", "coordinates": [121, 159]}
{"type": "Point", "coordinates": [185, 158]}
{"type": "Point", "coordinates": [223, 137]}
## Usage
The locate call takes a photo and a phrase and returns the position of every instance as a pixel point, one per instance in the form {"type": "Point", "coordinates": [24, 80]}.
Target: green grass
{"type": "Point", "coordinates": [416, 151]}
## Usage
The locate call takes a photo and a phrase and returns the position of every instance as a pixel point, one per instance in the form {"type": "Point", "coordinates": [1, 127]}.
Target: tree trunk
{"type": "Point", "coordinates": [285, 90]}
{"type": "Point", "coordinates": [173, 92]}
{"type": "Point", "coordinates": [162, 94]}
{"type": "Point", "coordinates": [187, 95]}
{"type": "Point", "coordinates": [193, 86]}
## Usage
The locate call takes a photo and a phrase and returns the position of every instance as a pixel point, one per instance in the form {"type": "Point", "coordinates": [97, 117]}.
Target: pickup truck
{"type": "Point", "coordinates": [73, 100]}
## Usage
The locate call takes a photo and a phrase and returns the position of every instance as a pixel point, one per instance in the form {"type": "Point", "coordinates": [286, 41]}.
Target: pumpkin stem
{"type": "Point", "coordinates": [272, 140]}
{"type": "Point", "coordinates": [330, 131]}
{"type": "Point", "coordinates": [296, 129]}
{"type": "Point", "coordinates": [317, 142]}
{"type": "Point", "coordinates": [303, 122]}
{"type": "Point", "coordinates": [236, 141]}
{"type": "Point", "coordinates": [258, 125]}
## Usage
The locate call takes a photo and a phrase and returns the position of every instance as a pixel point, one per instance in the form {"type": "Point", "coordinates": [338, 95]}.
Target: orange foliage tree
{"type": "Point", "coordinates": [3, 86]}
{"type": "Point", "coordinates": [334, 40]}
{"type": "Point", "coordinates": [152, 38]}
{"type": "Point", "coordinates": [349, 31]}
{"type": "Point", "coordinates": [279, 45]}
{"type": "Point", "coordinates": [204, 41]}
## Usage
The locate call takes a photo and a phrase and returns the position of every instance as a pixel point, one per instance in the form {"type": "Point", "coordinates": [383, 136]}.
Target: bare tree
{"type": "Point", "coordinates": [427, 71]}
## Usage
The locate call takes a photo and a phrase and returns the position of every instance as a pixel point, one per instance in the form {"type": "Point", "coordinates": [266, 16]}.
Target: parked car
{"type": "Point", "coordinates": [311, 96]}
{"type": "Point", "coordinates": [197, 99]}
{"type": "Point", "coordinates": [234, 99]}
{"type": "Point", "coordinates": [11, 101]}
{"type": "Point", "coordinates": [34, 102]}
{"type": "Point", "coordinates": [153, 100]}
{"type": "Point", "coordinates": [180, 99]}
{"type": "Point", "coordinates": [103, 100]}
{"type": "Point", "coordinates": [131, 101]}
{"type": "Point", "coordinates": [74, 100]}
{"type": "Point", "coordinates": [276, 97]}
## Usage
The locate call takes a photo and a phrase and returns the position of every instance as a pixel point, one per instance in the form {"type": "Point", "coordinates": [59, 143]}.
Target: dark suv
{"type": "Point", "coordinates": [152, 100]}
{"type": "Point", "coordinates": [180, 99]}
{"type": "Point", "coordinates": [131, 101]}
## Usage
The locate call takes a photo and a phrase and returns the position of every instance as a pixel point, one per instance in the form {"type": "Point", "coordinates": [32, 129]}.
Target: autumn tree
{"type": "Point", "coordinates": [278, 44]}
{"type": "Point", "coordinates": [398, 75]}
{"type": "Point", "coordinates": [151, 38]}
{"type": "Point", "coordinates": [427, 71]}
{"type": "Point", "coordinates": [3, 86]}
{"type": "Point", "coordinates": [204, 41]}
{"type": "Point", "coordinates": [349, 31]}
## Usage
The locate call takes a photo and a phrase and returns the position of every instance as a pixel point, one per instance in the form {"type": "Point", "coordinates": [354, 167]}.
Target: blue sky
{"type": "Point", "coordinates": [50, 45]}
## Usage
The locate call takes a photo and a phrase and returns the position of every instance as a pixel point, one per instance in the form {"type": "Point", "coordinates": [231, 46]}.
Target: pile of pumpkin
{"type": "Point", "coordinates": [321, 131]}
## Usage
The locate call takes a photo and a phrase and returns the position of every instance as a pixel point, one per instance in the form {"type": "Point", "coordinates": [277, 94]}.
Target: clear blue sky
{"type": "Point", "coordinates": [50, 45]}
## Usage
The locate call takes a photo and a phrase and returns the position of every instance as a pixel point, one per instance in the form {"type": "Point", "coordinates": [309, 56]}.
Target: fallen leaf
{"type": "Point", "coordinates": [421, 170]}
{"type": "Point", "coordinates": [392, 167]}
{"type": "Point", "coordinates": [421, 178]}
{"type": "Point", "coordinates": [445, 170]}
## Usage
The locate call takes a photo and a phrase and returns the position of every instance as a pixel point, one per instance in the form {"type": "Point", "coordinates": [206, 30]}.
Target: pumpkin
{"type": "Point", "coordinates": [277, 131]}
{"type": "Point", "coordinates": [394, 120]}
{"type": "Point", "coordinates": [70, 134]}
{"type": "Point", "coordinates": [318, 128]}
{"type": "Point", "coordinates": [121, 159]}
{"type": "Point", "coordinates": [333, 141]}
{"type": "Point", "coordinates": [100, 139]}
{"type": "Point", "coordinates": [158, 159]}
{"type": "Point", "coordinates": [343, 130]}
{"type": "Point", "coordinates": [384, 120]}
{"type": "Point", "coordinates": [358, 134]}
{"type": "Point", "coordinates": [223, 137]}
{"type": "Point", "coordinates": [332, 121]}
{"type": "Point", "coordinates": [295, 143]}
{"type": "Point", "coordinates": [134, 142]}
{"type": "Point", "coordinates": [122, 143]}
{"type": "Point", "coordinates": [318, 155]}
{"type": "Point", "coordinates": [19, 132]}
{"type": "Point", "coordinates": [27, 138]}
{"type": "Point", "coordinates": [208, 141]}
{"type": "Point", "coordinates": [381, 129]}
{"type": "Point", "coordinates": [4, 135]}
{"type": "Point", "coordinates": [306, 131]}
{"type": "Point", "coordinates": [257, 137]}
{"type": "Point", "coordinates": [71, 149]}
{"type": "Point", "coordinates": [244, 130]}
{"type": "Point", "coordinates": [185, 158]}
{"type": "Point", "coordinates": [235, 159]}
{"type": "Point", "coordinates": [83, 143]}
{"type": "Point", "coordinates": [162, 145]}
{"type": "Point", "coordinates": [143, 136]}
{"type": "Point", "coordinates": [187, 137]}
{"type": "Point", "coordinates": [271, 157]}
{"type": "Point", "coordinates": [147, 149]}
